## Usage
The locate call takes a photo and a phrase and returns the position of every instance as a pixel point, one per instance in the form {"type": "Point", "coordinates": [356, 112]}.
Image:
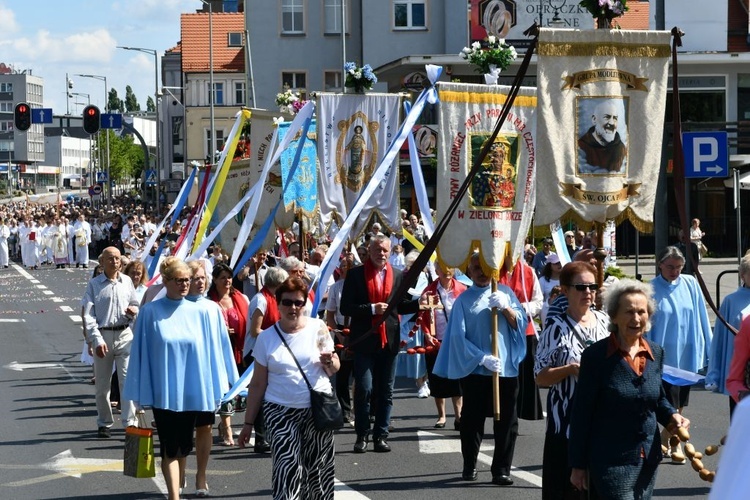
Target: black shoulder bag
{"type": "Point", "coordinates": [326, 410]}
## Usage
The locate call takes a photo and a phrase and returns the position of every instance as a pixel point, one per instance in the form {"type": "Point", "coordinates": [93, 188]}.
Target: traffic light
{"type": "Point", "coordinates": [91, 119]}
{"type": "Point", "coordinates": [22, 116]}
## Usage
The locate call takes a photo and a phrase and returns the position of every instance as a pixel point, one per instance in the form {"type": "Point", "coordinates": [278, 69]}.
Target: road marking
{"type": "Point", "coordinates": [342, 491]}
{"type": "Point", "coordinates": [48, 292]}
{"type": "Point", "coordinates": [12, 320]}
{"type": "Point", "coordinates": [66, 465]}
{"type": "Point", "coordinates": [76, 318]}
{"type": "Point", "coordinates": [66, 308]}
{"type": "Point", "coordinates": [34, 281]}
{"type": "Point", "coordinates": [41, 287]}
{"type": "Point", "coordinates": [57, 299]}
{"type": "Point", "coordinates": [432, 443]}
{"type": "Point", "coordinates": [19, 367]}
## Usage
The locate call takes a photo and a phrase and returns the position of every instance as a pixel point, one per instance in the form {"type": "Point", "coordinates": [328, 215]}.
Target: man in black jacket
{"type": "Point", "coordinates": [367, 291]}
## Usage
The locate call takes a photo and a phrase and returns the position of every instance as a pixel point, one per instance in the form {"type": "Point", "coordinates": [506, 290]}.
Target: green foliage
{"type": "Point", "coordinates": [114, 103]}
{"type": "Point", "coordinates": [150, 106]}
{"type": "Point", "coordinates": [125, 157]}
{"type": "Point", "coordinates": [131, 101]}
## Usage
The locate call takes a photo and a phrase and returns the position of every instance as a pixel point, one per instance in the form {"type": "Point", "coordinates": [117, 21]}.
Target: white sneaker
{"type": "Point", "coordinates": [424, 391]}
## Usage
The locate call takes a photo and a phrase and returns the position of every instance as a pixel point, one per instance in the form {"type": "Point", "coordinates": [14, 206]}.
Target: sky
{"type": "Point", "coordinates": [55, 37]}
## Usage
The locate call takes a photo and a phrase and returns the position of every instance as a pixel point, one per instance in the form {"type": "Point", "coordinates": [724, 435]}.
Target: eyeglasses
{"type": "Point", "coordinates": [582, 287]}
{"type": "Point", "coordinates": [295, 303]}
{"type": "Point", "coordinates": [673, 268]}
{"type": "Point", "coordinates": [181, 281]}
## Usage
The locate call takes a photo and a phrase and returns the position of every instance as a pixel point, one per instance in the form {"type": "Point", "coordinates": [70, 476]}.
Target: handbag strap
{"type": "Point", "coordinates": [278, 331]}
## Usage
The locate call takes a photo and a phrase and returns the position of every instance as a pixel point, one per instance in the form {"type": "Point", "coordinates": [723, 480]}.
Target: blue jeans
{"type": "Point", "coordinates": [374, 373]}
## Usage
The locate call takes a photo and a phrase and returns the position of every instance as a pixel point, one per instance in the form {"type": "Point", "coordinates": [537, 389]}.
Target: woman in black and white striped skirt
{"type": "Point", "coordinates": [303, 458]}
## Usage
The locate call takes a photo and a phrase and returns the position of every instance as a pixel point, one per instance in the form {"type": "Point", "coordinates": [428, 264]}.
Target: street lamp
{"type": "Point", "coordinates": [106, 107]}
{"type": "Point", "coordinates": [156, 105]}
{"type": "Point", "coordinates": [211, 96]}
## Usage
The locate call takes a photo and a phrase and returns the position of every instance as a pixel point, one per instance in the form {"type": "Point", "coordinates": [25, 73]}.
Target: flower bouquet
{"type": "Point", "coordinates": [360, 79]}
{"type": "Point", "coordinates": [605, 10]}
{"type": "Point", "coordinates": [286, 100]}
{"type": "Point", "coordinates": [493, 59]}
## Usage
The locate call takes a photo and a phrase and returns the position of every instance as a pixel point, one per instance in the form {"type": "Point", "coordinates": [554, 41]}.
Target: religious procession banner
{"type": "Point", "coordinates": [301, 195]}
{"type": "Point", "coordinates": [244, 174]}
{"type": "Point", "coordinates": [602, 95]}
{"type": "Point", "coordinates": [355, 132]}
{"type": "Point", "coordinates": [495, 215]}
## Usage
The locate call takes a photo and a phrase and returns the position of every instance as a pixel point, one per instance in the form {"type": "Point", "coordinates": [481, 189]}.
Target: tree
{"type": "Point", "coordinates": [125, 157]}
{"type": "Point", "coordinates": [131, 101]}
{"type": "Point", "coordinates": [114, 103]}
{"type": "Point", "coordinates": [150, 106]}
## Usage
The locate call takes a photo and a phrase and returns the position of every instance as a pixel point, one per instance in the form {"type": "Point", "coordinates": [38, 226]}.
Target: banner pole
{"type": "Point", "coordinates": [496, 353]}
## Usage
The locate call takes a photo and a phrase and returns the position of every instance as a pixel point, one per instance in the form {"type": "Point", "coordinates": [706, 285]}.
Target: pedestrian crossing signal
{"type": "Point", "coordinates": [91, 119]}
{"type": "Point", "coordinates": [22, 116]}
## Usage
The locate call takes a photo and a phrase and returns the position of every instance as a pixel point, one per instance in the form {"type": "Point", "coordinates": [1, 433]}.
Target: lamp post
{"type": "Point", "coordinates": [157, 166]}
{"type": "Point", "coordinates": [106, 108]}
{"type": "Point", "coordinates": [211, 96]}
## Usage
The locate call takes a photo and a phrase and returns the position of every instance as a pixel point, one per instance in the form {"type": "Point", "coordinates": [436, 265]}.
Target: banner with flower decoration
{"type": "Point", "coordinates": [496, 213]}
{"type": "Point", "coordinates": [601, 113]}
{"type": "Point", "coordinates": [355, 130]}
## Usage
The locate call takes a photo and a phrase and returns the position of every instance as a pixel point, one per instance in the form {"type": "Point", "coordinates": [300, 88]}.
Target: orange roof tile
{"type": "Point", "coordinates": [177, 49]}
{"type": "Point", "coordinates": [195, 42]}
{"type": "Point", "coordinates": [636, 18]}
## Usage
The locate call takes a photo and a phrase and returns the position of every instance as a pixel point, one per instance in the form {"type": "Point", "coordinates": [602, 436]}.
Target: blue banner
{"type": "Point", "coordinates": [302, 191]}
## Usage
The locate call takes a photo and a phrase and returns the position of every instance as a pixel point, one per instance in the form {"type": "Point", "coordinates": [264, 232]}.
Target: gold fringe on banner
{"type": "Point", "coordinates": [602, 50]}
{"type": "Point", "coordinates": [571, 215]}
{"type": "Point", "coordinates": [481, 98]}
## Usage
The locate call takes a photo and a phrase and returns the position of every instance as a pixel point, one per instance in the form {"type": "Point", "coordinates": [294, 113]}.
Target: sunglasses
{"type": "Point", "coordinates": [181, 281]}
{"type": "Point", "coordinates": [581, 287]}
{"type": "Point", "coordinates": [290, 303]}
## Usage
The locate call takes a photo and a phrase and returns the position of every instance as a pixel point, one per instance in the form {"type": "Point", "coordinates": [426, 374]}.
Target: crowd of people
{"type": "Point", "coordinates": [179, 345]}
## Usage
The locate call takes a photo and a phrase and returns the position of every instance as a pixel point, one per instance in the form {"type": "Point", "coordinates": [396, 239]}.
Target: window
{"type": "Point", "coordinates": [6, 126]}
{"type": "Point", "coordinates": [235, 39]}
{"type": "Point", "coordinates": [332, 81]}
{"type": "Point", "coordinates": [6, 106]}
{"type": "Point", "coordinates": [332, 10]}
{"type": "Point", "coordinates": [292, 16]}
{"type": "Point", "coordinates": [239, 93]}
{"type": "Point", "coordinates": [219, 136]}
{"type": "Point", "coordinates": [217, 95]}
{"type": "Point", "coordinates": [409, 14]}
{"type": "Point", "coordinates": [294, 81]}
{"type": "Point", "coordinates": [6, 87]}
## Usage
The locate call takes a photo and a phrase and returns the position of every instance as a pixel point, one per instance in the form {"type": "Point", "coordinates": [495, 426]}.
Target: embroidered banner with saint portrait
{"type": "Point", "coordinates": [354, 131]}
{"type": "Point", "coordinates": [495, 215]}
{"type": "Point", "coordinates": [602, 95]}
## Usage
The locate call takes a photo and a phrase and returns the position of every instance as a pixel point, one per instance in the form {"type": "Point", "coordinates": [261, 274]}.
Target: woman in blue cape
{"type": "Point", "coordinates": [680, 325]}
{"type": "Point", "coordinates": [178, 367]}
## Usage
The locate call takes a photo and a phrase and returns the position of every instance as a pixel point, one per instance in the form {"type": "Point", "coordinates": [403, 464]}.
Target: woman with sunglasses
{"type": "Point", "coordinates": [558, 358]}
{"type": "Point", "coordinates": [303, 463]}
{"type": "Point", "coordinates": [177, 367]}
{"type": "Point", "coordinates": [680, 325]}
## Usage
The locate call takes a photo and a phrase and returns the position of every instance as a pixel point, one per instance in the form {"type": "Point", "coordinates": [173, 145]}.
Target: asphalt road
{"type": "Point", "coordinates": [49, 448]}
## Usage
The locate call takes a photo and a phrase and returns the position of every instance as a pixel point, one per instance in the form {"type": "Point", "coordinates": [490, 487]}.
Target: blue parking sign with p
{"type": "Point", "coordinates": [706, 154]}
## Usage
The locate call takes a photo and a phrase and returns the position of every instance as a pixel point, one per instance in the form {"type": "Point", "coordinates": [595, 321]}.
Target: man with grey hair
{"type": "Point", "coordinates": [602, 145]}
{"type": "Point", "coordinates": [367, 292]}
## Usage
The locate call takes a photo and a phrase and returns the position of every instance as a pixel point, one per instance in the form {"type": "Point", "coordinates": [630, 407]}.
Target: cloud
{"type": "Point", "coordinates": [9, 25]}
{"type": "Point", "coordinates": [89, 47]}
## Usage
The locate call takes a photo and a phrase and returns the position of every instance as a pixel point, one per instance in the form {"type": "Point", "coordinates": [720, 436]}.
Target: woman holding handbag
{"type": "Point", "coordinates": [295, 352]}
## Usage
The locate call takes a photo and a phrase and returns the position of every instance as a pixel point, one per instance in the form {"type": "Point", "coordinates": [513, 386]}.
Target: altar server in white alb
{"type": "Point", "coordinates": [82, 233]}
{"type": "Point", "coordinates": [4, 235]}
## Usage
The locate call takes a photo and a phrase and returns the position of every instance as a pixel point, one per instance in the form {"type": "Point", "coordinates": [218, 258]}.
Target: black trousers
{"type": "Point", "coordinates": [477, 406]}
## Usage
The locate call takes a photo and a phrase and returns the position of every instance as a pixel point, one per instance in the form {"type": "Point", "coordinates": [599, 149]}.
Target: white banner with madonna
{"type": "Point", "coordinates": [495, 215]}
{"type": "Point", "coordinates": [354, 131]}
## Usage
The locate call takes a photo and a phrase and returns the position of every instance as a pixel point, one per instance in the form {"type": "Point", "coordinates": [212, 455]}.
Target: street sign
{"type": "Point", "coordinates": [97, 189]}
{"type": "Point", "coordinates": [151, 177]}
{"type": "Point", "coordinates": [111, 120]}
{"type": "Point", "coordinates": [101, 176]}
{"type": "Point", "coordinates": [706, 154]}
{"type": "Point", "coordinates": [41, 115]}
